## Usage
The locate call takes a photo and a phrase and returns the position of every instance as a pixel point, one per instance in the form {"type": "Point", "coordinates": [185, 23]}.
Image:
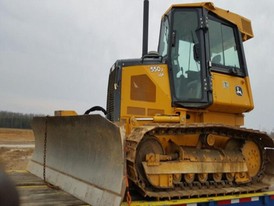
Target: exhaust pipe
{"type": "Point", "coordinates": [145, 27]}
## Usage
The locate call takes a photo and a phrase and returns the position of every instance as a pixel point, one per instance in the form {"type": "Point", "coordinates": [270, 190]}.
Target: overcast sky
{"type": "Point", "coordinates": [56, 54]}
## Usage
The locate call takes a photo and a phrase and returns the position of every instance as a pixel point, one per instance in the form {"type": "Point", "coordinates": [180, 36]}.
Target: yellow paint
{"type": "Point", "coordinates": [223, 118]}
{"type": "Point", "coordinates": [165, 119]}
{"type": "Point", "coordinates": [136, 102]}
{"type": "Point", "coordinates": [65, 113]}
{"type": "Point", "coordinates": [186, 140]}
{"type": "Point", "coordinates": [158, 75]}
{"type": "Point", "coordinates": [225, 96]}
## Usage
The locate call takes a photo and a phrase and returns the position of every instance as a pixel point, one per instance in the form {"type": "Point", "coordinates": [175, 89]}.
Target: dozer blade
{"type": "Point", "coordinates": [83, 155]}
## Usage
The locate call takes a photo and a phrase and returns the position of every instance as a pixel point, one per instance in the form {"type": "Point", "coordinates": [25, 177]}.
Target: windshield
{"type": "Point", "coordinates": [185, 51]}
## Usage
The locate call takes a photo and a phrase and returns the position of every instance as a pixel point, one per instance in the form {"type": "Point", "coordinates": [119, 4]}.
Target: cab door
{"type": "Point", "coordinates": [230, 83]}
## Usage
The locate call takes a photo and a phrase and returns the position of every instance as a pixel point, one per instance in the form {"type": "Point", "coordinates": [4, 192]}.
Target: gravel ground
{"type": "Point", "coordinates": [16, 148]}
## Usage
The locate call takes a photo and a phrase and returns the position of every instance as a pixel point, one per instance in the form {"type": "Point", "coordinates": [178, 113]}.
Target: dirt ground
{"type": "Point", "coordinates": [16, 148]}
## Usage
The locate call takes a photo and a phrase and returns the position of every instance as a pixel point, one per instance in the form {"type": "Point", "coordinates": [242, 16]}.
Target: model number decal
{"type": "Point", "coordinates": [157, 69]}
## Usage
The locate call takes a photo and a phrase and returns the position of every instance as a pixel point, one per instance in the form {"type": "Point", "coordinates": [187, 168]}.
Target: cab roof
{"type": "Point", "coordinates": [243, 24]}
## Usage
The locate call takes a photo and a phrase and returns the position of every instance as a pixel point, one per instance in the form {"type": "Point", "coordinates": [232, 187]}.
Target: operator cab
{"type": "Point", "coordinates": [195, 43]}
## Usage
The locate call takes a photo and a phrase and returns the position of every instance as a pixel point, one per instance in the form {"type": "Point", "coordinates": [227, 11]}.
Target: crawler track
{"type": "Point", "coordinates": [205, 191]}
{"type": "Point", "coordinates": [196, 188]}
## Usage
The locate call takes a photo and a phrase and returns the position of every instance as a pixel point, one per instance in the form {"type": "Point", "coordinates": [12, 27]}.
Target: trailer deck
{"type": "Point", "coordinates": [34, 191]}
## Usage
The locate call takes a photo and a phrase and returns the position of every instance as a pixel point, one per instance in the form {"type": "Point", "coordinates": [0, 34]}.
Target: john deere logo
{"type": "Point", "coordinates": [239, 91]}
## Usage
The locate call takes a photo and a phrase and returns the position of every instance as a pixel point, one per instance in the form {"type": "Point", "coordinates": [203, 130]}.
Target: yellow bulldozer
{"type": "Point", "coordinates": [173, 125]}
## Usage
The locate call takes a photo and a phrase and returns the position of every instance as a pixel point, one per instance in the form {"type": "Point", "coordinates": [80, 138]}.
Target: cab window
{"type": "Point", "coordinates": [224, 52]}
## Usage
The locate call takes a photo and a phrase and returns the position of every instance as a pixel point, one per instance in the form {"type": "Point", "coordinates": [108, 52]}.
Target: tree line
{"type": "Point", "coordinates": [15, 120]}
